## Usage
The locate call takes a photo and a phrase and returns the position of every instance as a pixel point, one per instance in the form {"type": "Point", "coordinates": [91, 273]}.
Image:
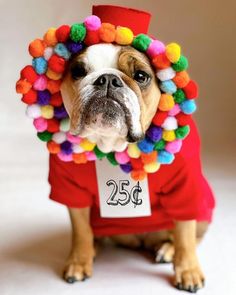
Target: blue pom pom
{"type": "Point", "coordinates": [188, 106]}
{"type": "Point", "coordinates": [40, 65]}
{"type": "Point", "coordinates": [165, 157]}
{"type": "Point", "coordinates": [146, 145]}
{"type": "Point", "coordinates": [61, 50]}
{"type": "Point", "coordinates": [168, 86]}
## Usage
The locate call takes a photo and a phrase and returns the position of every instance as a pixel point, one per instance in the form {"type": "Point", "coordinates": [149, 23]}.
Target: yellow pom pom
{"type": "Point", "coordinates": [87, 145]}
{"type": "Point", "coordinates": [152, 167]}
{"type": "Point", "coordinates": [50, 37]}
{"type": "Point", "coordinates": [47, 112]}
{"type": "Point", "coordinates": [168, 135]}
{"type": "Point", "coordinates": [173, 52]}
{"type": "Point", "coordinates": [124, 36]}
{"type": "Point", "coordinates": [52, 75]}
{"type": "Point", "coordinates": [133, 151]}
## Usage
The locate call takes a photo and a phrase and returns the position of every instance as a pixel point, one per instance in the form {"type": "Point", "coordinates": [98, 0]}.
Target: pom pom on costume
{"type": "Point", "coordinates": [63, 33]}
{"type": "Point", "coordinates": [188, 106]}
{"type": "Point", "coordinates": [36, 48]}
{"type": "Point", "coordinates": [92, 23]}
{"type": "Point", "coordinates": [156, 47]}
{"type": "Point", "coordinates": [77, 32]}
{"type": "Point", "coordinates": [166, 74]}
{"type": "Point", "coordinates": [107, 33]}
{"type": "Point", "coordinates": [124, 36]}
{"type": "Point", "coordinates": [50, 37]}
{"type": "Point", "coordinates": [173, 52]}
{"type": "Point", "coordinates": [165, 157]}
{"type": "Point", "coordinates": [141, 42]}
{"type": "Point", "coordinates": [191, 90]}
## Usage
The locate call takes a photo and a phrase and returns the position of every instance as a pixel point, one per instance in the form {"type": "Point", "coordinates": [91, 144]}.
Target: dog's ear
{"type": "Point", "coordinates": [68, 94]}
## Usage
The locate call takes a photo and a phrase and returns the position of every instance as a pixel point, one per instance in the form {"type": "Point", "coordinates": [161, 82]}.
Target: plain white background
{"type": "Point", "coordinates": [35, 232]}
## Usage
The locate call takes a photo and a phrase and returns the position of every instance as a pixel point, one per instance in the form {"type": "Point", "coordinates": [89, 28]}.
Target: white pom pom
{"type": "Point", "coordinates": [48, 52]}
{"type": "Point", "coordinates": [59, 137]}
{"type": "Point", "coordinates": [65, 125]}
{"type": "Point", "coordinates": [166, 74]}
{"type": "Point", "coordinates": [33, 111]}
{"type": "Point", "coordinates": [77, 149]}
{"type": "Point", "coordinates": [170, 123]}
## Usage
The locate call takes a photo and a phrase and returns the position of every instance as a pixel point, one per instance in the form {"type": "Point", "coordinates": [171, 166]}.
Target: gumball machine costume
{"type": "Point", "coordinates": [169, 156]}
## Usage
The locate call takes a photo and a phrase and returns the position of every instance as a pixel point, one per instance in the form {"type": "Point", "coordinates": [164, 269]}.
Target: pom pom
{"type": "Point", "coordinates": [174, 146]}
{"type": "Point", "coordinates": [149, 158]}
{"type": "Point", "coordinates": [160, 61]}
{"type": "Point", "coordinates": [61, 50]}
{"type": "Point", "coordinates": [137, 164]}
{"type": "Point", "coordinates": [50, 37]}
{"type": "Point", "coordinates": [52, 75]}
{"type": "Point", "coordinates": [166, 102]}
{"type": "Point", "coordinates": [182, 132]}
{"type": "Point", "coordinates": [54, 86]}
{"type": "Point", "coordinates": [60, 112]}
{"type": "Point", "coordinates": [41, 83]}
{"type": "Point", "coordinates": [91, 156]}
{"type": "Point", "coordinates": [122, 157]}
{"type": "Point", "coordinates": [175, 110]}
{"type": "Point", "coordinates": [80, 158]}
{"type": "Point", "coordinates": [36, 48]}
{"type": "Point", "coordinates": [53, 147]}
{"type": "Point", "coordinates": [170, 123]}
{"type": "Point", "coordinates": [92, 23]}
{"type": "Point", "coordinates": [154, 133]}
{"type": "Point", "coordinates": [87, 145]}
{"type": "Point", "coordinates": [92, 37]}
{"type": "Point", "coordinates": [57, 64]}
{"type": "Point", "coordinates": [65, 125]}
{"type": "Point", "coordinates": [181, 65]}
{"type": "Point", "coordinates": [168, 135]}
{"type": "Point", "coordinates": [127, 168]}
{"type": "Point", "coordinates": [44, 136]}
{"type": "Point", "coordinates": [73, 138]}
{"type": "Point", "coordinates": [63, 33]}
{"type": "Point", "coordinates": [111, 159]}
{"type": "Point", "coordinates": [99, 153]}
{"type": "Point", "coordinates": [74, 47]}
{"type": "Point", "coordinates": [33, 111]}
{"type": "Point", "coordinates": [166, 74]}
{"type": "Point", "coordinates": [183, 119]}
{"type": "Point", "coordinates": [191, 90]}
{"type": "Point", "coordinates": [77, 149]}
{"type": "Point", "coordinates": [188, 106]}
{"type": "Point", "coordinates": [168, 86]}
{"type": "Point", "coordinates": [48, 52]}
{"type": "Point", "coordinates": [160, 145]}
{"type": "Point", "coordinates": [64, 157]}
{"type": "Point", "coordinates": [40, 65]}
{"type": "Point", "coordinates": [66, 148]}
{"type": "Point", "coordinates": [29, 74]}
{"type": "Point", "coordinates": [40, 124]}
{"type": "Point", "coordinates": [141, 42]}
{"type": "Point", "coordinates": [77, 32]}
{"type": "Point", "coordinates": [138, 175]}
{"type": "Point", "coordinates": [181, 79]}
{"type": "Point", "coordinates": [156, 47]}
{"type": "Point", "coordinates": [53, 125]}
{"type": "Point", "coordinates": [56, 99]}
{"type": "Point", "coordinates": [124, 36]}
{"type": "Point", "coordinates": [165, 157]}
{"type": "Point", "coordinates": [146, 145]}
{"type": "Point", "coordinates": [159, 118]}
{"type": "Point", "coordinates": [152, 167]}
{"type": "Point", "coordinates": [173, 52]}
{"type": "Point", "coordinates": [107, 33]}
{"type": "Point", "coordinates": [179, 96]}
{"type": "Point", "coordinates": [23, 86]}
{"type": "Point", "coordinates": [47, 112]}
{"type": "Point", "coordinates": [59, 137]}
{"type": "Point", "coordinates": [30, 97]}
{"type": "Point", "coordinates": [133, 150]}
{"type": "Point", "coordinates": [43, 97]}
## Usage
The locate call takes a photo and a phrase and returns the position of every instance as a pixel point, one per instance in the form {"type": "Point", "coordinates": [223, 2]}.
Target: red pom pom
{"type": "Point", "coordinates": [63, 33]}
{"type": "Point", "coordinates": [183, 119]}
{"type": "Point", "coordinates": [56, 99]}
{"type": "Point", "coordinates": [191, 90]}
{"type": "Point", "coordinates": [54, 86]}
{"type": "Point", "coordinates": [53, 125]}
{"type": "Point", "coordinates": [30, 97]}
{"type": "Point", "coordinates": [29, 74]}
{"type": "Point", "coordinates": [159, 118]}
{"type": "Point", "coordinates": [92, 37]}
{"type": "Point", "coordinates": [137, 164]}
{"type": "Point", "coordinates": [57, 64]}
{"type": "Point", "coordinates": [161, 61]}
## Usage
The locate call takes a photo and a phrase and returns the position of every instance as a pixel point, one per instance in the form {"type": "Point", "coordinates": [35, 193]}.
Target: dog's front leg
{"type": "Point", "coordinates": [80, 262]}
{"type": "Point", "coordinates": [188, 274]}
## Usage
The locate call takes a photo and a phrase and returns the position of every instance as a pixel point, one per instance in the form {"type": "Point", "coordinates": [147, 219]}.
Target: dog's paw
{"type": "Point", "coordinates": [77, 272]}
{"type": "Point", "coordinates": [165, 253]}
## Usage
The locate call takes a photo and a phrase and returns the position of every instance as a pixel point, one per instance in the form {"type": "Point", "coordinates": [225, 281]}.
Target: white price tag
{"type": "Point", "coordinates": [119, 194]}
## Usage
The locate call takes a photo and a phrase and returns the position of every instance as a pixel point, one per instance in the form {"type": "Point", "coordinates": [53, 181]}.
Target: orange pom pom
{"type": "Point", "coordinates": [149, 158]}
{"type": "Point", "coordinates": [138, 175]}
{"type": "Point", "coordinates": [166, 102]}
{"type": "Point", "coordinates": [161, 61]}
{"type": "Point", "coordinates": [23, 86]}
{"type": "Point", "coordinates": [107, 33]}
{"type": "Point", "coordinates": [50, 37]}
{"type": "Point", "coordinates": [181, 79]}
{"type": "Point", "coordinates": [52, 75]}
{"type": "Point", "coordinates": [80, 158]}
{"type": "Point", "coordinates": [36, 48]}
{"type": "Point", "coordinates": [53, 147]}
{"type": "Point", "coordinates": [54, 86]}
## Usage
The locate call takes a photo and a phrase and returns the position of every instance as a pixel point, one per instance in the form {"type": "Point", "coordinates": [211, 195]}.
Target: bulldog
{"type": "Point", "coordinates": [111, 94]}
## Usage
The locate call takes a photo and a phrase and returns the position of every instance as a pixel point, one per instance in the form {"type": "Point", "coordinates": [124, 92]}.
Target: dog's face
{"type": "Point", "coordinates": [111, 95]}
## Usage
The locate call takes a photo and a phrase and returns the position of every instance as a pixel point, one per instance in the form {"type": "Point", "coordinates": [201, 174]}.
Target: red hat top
{"type": "Point", "coordinates": [137, 20]}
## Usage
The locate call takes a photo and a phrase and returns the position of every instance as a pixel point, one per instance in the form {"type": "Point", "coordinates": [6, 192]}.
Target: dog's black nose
{"type": "Point", "coordinates": [108, 81]}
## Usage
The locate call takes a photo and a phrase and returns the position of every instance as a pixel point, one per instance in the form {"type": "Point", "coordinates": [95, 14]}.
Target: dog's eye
{"type": "Point", "coordinates": [141, 77]}
{"type": "Point", "coordinates": [78, 71]}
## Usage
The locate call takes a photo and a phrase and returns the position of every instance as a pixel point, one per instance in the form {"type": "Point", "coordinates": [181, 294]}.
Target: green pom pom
{"type": "Point", "coordinates": [99, 153]}
{"type": "Point", "coordinates": [44, 136]}
{"type": "Point", "coordinates": [77, 32]}
{"type": "Point", "coordinates": [111, 158]}
{"type": "Point", "coordinates": [160, 145]}
{"type": "Point", "coordinates": [182, 132]}
{"type": "Point", "coordinates": [141, 42]}
{"type": "Point", "coordinates": [181, 65]}
{"type": "Point", "coordinates": [179, 96]}
{"type": "Point", "coordinates": [65, 125]}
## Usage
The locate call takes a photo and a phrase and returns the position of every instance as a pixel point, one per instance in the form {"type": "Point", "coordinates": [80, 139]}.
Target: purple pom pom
{"type": "Point", "coordinates": [60, 112]}
{"type": "Point", "coordinates": [127, 168]}
{"type": "Point", "coordinates": [43, 97]}
{"type": "Point", "coordinates": [154, 133]}
{"type": "Point", "coordinates": [66, 147]}
{"type": "Point", "coordinates": [74, 47]}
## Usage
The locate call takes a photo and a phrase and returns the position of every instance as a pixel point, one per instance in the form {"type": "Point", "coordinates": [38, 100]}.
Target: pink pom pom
{"type": "Point", "coordinates": [41, 83]}
{"type": "Point", "coordinates": [175, 110]}
{"type": "Point", "coordinates": [122, 157]}
{"type": "Point", "coordinates": [155, 48]}
{"type": "Point", "coordinates": [91, 156]}
{"type": "Point", "coordinates": [40, 124]}
{"type": "Point", "coordinates": [92, 23]}
{"type": "Point", "coordinates": [64, 157]}
{"type": "Point", "coordinates": [73, 139]}
{"type": "Point", "coordinates": [174, 147]}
